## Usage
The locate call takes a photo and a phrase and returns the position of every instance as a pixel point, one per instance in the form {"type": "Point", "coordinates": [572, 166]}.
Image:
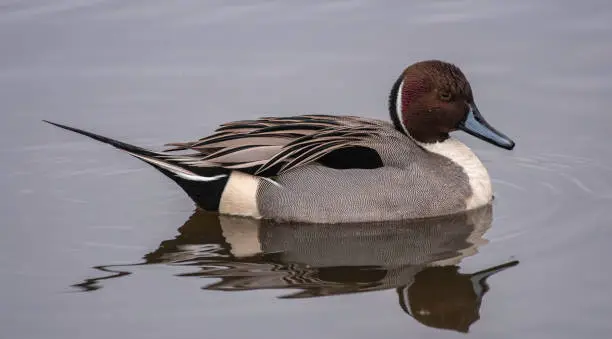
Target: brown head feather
{"type": "Point", "coordinates": [434, 100]}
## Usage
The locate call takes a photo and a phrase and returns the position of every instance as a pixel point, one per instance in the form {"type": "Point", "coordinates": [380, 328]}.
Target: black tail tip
{"type": "Point", "coordinates": [116, 143]}
{"type": "Point", "coordinates": [55, 124]}
{"type": "Point", "coordinates": [76, 130]}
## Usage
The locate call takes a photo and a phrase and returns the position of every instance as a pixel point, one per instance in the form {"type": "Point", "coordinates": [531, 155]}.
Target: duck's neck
{"type": "Point", "coordinates": [477, 174]}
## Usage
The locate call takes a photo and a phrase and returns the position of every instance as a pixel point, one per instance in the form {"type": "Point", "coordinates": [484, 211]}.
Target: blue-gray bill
{"type": "Point", "coordinates": [477, 126]}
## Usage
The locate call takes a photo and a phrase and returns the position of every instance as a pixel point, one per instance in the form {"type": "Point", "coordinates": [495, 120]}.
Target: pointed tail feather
{"type": "Point", "coordinates": [204, 188]}
{"type": "Point", "coordinates": [112, 142]}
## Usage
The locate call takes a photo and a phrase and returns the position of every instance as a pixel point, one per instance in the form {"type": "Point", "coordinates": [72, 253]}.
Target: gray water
{"type": "Point", "coordinates": [96, 244]}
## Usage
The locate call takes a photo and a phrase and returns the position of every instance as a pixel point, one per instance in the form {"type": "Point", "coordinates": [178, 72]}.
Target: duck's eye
{"type": "Point", "coordinates": [446, 96]}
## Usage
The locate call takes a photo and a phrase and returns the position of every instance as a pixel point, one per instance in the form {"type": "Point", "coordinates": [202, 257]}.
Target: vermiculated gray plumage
{"type": "Point", "coordinates": [413, 183]}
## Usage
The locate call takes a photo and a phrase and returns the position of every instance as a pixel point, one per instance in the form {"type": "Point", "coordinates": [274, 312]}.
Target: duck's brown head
{"type": "Point", "coordinates": [433, 98]}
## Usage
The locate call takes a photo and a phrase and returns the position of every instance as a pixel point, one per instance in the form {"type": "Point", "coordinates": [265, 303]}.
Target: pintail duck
{"type": "Point", "coordinates": [334, 169]}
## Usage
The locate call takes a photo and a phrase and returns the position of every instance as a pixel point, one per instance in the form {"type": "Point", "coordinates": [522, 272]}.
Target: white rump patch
{"type": "Point", "coordinates": [460, 154]}
{"type": "Point", "coordinates": [240, 195]}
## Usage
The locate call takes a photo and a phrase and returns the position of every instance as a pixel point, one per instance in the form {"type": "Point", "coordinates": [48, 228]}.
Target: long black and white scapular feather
{"type": "Point", "coordinates": [273, 145]}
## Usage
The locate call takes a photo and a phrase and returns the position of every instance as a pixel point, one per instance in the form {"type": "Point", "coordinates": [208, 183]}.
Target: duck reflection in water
{"type": "Point", "coordinates": [418, 258]}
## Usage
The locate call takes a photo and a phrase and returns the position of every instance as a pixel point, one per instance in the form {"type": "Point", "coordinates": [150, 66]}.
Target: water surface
{"type": "Point", "coordinates": [76, 212]}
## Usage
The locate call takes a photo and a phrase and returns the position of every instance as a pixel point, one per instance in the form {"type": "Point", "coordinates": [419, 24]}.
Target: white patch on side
{"type": "Point", "coordinates": [179, 171]}
{"type": "Point", "coordinates": [398, 106]}
{"type": "Point", "coordinates": [460, 154]}
{"type": "Point", "coordinates": [240, 195]}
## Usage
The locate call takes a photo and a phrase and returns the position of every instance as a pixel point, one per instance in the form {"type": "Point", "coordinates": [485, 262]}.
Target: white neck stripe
{"type": "Point", "coordinates": [398, 107]}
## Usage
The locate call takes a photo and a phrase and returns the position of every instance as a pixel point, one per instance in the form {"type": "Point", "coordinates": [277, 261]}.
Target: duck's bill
{"type": "Point", "coordinates": [477, 126]}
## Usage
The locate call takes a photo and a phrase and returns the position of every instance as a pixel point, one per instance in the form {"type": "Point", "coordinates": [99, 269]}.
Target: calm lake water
{"type": "Point", "coordinates": [96, 244]}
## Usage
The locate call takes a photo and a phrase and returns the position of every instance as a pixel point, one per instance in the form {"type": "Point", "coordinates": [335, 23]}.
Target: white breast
{"type": "Point", "coordinates": [478, 176]}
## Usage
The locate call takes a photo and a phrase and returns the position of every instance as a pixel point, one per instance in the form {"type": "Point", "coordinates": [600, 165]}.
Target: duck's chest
{"type": "Point", "coordinates": [478, 177]}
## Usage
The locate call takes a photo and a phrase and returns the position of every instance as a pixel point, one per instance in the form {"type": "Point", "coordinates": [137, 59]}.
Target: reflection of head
{"type": "Point", "coordinates": [441, 297]}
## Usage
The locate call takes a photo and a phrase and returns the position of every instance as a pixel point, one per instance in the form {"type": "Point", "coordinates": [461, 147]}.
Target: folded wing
{"type": "Point", "coordinates": [272, 146]}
